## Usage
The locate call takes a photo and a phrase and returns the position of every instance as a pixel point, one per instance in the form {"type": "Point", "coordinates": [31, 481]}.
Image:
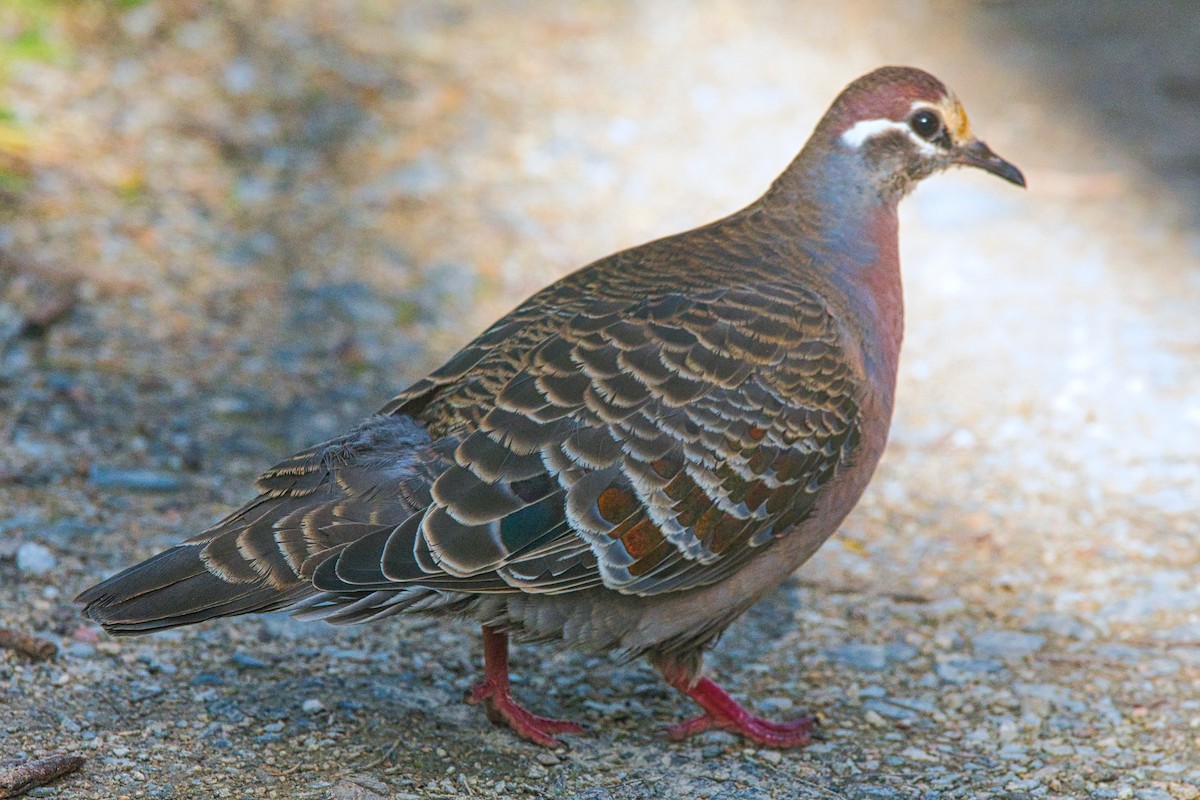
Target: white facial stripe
{"type": "Point", "coordinates": [859, 132]}
{"type": "Point", "coordinates": [865, 129]}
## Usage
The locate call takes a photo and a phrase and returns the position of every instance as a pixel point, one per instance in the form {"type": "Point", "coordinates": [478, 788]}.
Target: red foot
{"type": "Point", "coordinates": [493, 691]}
{"type": "Point", "coordinates": [722, 711]}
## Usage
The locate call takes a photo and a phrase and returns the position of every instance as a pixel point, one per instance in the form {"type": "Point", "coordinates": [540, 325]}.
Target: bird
{"type": "Point", "coordinates": [632, 457]}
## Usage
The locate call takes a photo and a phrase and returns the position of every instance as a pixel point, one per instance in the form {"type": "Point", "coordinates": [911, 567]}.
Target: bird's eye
{"type": "Point", "coordinates": [925, 124]}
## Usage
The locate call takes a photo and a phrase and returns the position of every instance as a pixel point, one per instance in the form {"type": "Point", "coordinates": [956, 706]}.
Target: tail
{"type": "Point", "coordinates": [175, 588]}
{"type": "Point", "coordinates": [262, 557]}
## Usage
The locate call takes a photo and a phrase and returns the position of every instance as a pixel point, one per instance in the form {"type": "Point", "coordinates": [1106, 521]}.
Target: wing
{"type": "Point", "coordinates": [647, 445]}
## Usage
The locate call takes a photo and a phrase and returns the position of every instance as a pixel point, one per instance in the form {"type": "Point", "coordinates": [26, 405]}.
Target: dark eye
{"type": "Point", "coordinates": [925, 124]}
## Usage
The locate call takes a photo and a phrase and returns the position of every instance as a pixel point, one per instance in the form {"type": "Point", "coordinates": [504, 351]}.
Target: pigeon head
{"type": "Point", "coordinates": [902, 125]}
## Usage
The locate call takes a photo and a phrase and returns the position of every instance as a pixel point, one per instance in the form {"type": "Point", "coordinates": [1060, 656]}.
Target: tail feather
{"type": "Point", "coordinates": [174, 588]}
{"type": "Point", "coordinates": [261, 557]}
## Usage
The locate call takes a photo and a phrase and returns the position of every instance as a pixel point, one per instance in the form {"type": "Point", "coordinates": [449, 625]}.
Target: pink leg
{"type": "Point", "coordinates": [722, 711]}
{"type": "Point", "coordinates": [496, 696]}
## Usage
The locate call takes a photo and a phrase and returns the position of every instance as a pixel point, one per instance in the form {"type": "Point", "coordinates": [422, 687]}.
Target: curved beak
{"type": "Point", "coordinates": [977, 154]}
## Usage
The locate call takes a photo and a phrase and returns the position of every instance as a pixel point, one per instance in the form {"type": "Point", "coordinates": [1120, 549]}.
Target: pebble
{"type": "Point", "coordinates": [360, 787]}
{"type": "Point", "coordinates": [592, 794]}
{"type": "Point", "coordinates": [875, 793]}
{"type": "Point", "coordinates": [865, 657]}
{"type": "Point", "coordinates": [243, 661]}
{"type": "Point", "coordinates": [960, 669]}
{"type": "Point", "coordinates": [1152, 793]}
{"type": "Point", "coordinates": [35, 559]}
{"type": "Point", "coordinates": [889, 710]}
{"type": "Point", "coordinates": [207, 679]}
{"type": "Point", "coordinates": [136, 480]}
{"type": "Point", "coordinates": [748, 793]}
{"type": "Point", "coordinates": [874, 719]}
{"type": "Point", "coordinates": [916, 754]}
{"type": "Point", "coordinates": [1006, 644]}
{"type": "Point", "coordinates": [773, 705]}
{"type": "Point", "coordinates": [312, 706]}
{"type": "Point", "coordinates": [81, 650]}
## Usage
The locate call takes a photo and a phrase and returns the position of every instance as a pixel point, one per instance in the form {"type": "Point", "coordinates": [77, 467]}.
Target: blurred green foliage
{"type": "Point", "coordinates": [24, 30]}
{"type": "Point", "coordinates": [26, 34]}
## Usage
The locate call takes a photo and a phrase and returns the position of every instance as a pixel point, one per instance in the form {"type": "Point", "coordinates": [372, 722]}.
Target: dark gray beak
{"type": "Point", "coordinates": [977, 154]}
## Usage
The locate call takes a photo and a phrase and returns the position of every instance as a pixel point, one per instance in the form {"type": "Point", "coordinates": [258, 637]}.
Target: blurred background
{"type": "Point", "coordinates": [232, 229]}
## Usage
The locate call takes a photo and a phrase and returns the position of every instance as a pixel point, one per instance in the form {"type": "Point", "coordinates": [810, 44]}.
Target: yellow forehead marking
{"type": "Point", "coordinates": [956, 119]}
{"type": "Point", "coordinates": [953, 115]}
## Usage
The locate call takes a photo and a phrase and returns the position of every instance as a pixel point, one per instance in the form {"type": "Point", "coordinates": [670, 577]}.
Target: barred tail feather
{"type": "Point", "coordinates": [174, 588]}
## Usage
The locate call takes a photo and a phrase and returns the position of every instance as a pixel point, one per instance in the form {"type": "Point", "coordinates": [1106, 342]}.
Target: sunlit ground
{"type": "Point", "coordinates": [276, 215]}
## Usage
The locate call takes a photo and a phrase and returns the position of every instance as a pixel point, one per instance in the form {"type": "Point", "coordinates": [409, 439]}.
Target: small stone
{"type": "Point", "coordinates": [312, 706]}
{"type": "Point", "coordinates": [874, 719]}
{"type": "Point", "coordinates": [1007, 644]}
{"type": "Point", "coordinates": [915, 754]}
{"type": "Point", "coordinates": [89, 634]}
{"type": "Point", "coordinates": [1012, 752]}
{"type": "Point", "coordinates": [889, 710]}
{"type": "Point", "coordinates": [207, 679]}
{"type": "Point", "coordinates": [592, 794]}
{"type": "Point", "coordinates": [874, 792]}
{"type": "Point", "coordinates": [748, 793]}
{"type": "Point", "coordinates": [81, 650]}
{"type": "Point", "coordinates": [772, 705]}
{"type": "Point", "coordinates": [136, 480]}
{"type": "Point", "coordinates": [1058, 749]}
{"type": "Point", "coordinates": [360, 787]}
{"type": "Point", "coordinates": [1152, 793]}
{"type": "Point", "coordinates": [960, 669]}
{"type": "Point", "coordinates": [547, 759]}
{"type": "Point", "coordinates": [35, 559]}
{"type": "Point", "coordinates": [244, 661]}
{"type": "Point", "coordinates": [770, 756]}
{"type": "Point", "coordinates": [856, 655]}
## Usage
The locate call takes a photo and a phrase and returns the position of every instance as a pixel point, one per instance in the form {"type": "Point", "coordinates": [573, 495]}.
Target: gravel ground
{"type": "Point", "coordinates": [228, 230]}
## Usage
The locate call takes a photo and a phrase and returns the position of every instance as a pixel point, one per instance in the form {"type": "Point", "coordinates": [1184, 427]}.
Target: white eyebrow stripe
{"type": "Point", "coordinates": [866, 129]}
{"type": "Point", "coordinates": [859, 132]}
